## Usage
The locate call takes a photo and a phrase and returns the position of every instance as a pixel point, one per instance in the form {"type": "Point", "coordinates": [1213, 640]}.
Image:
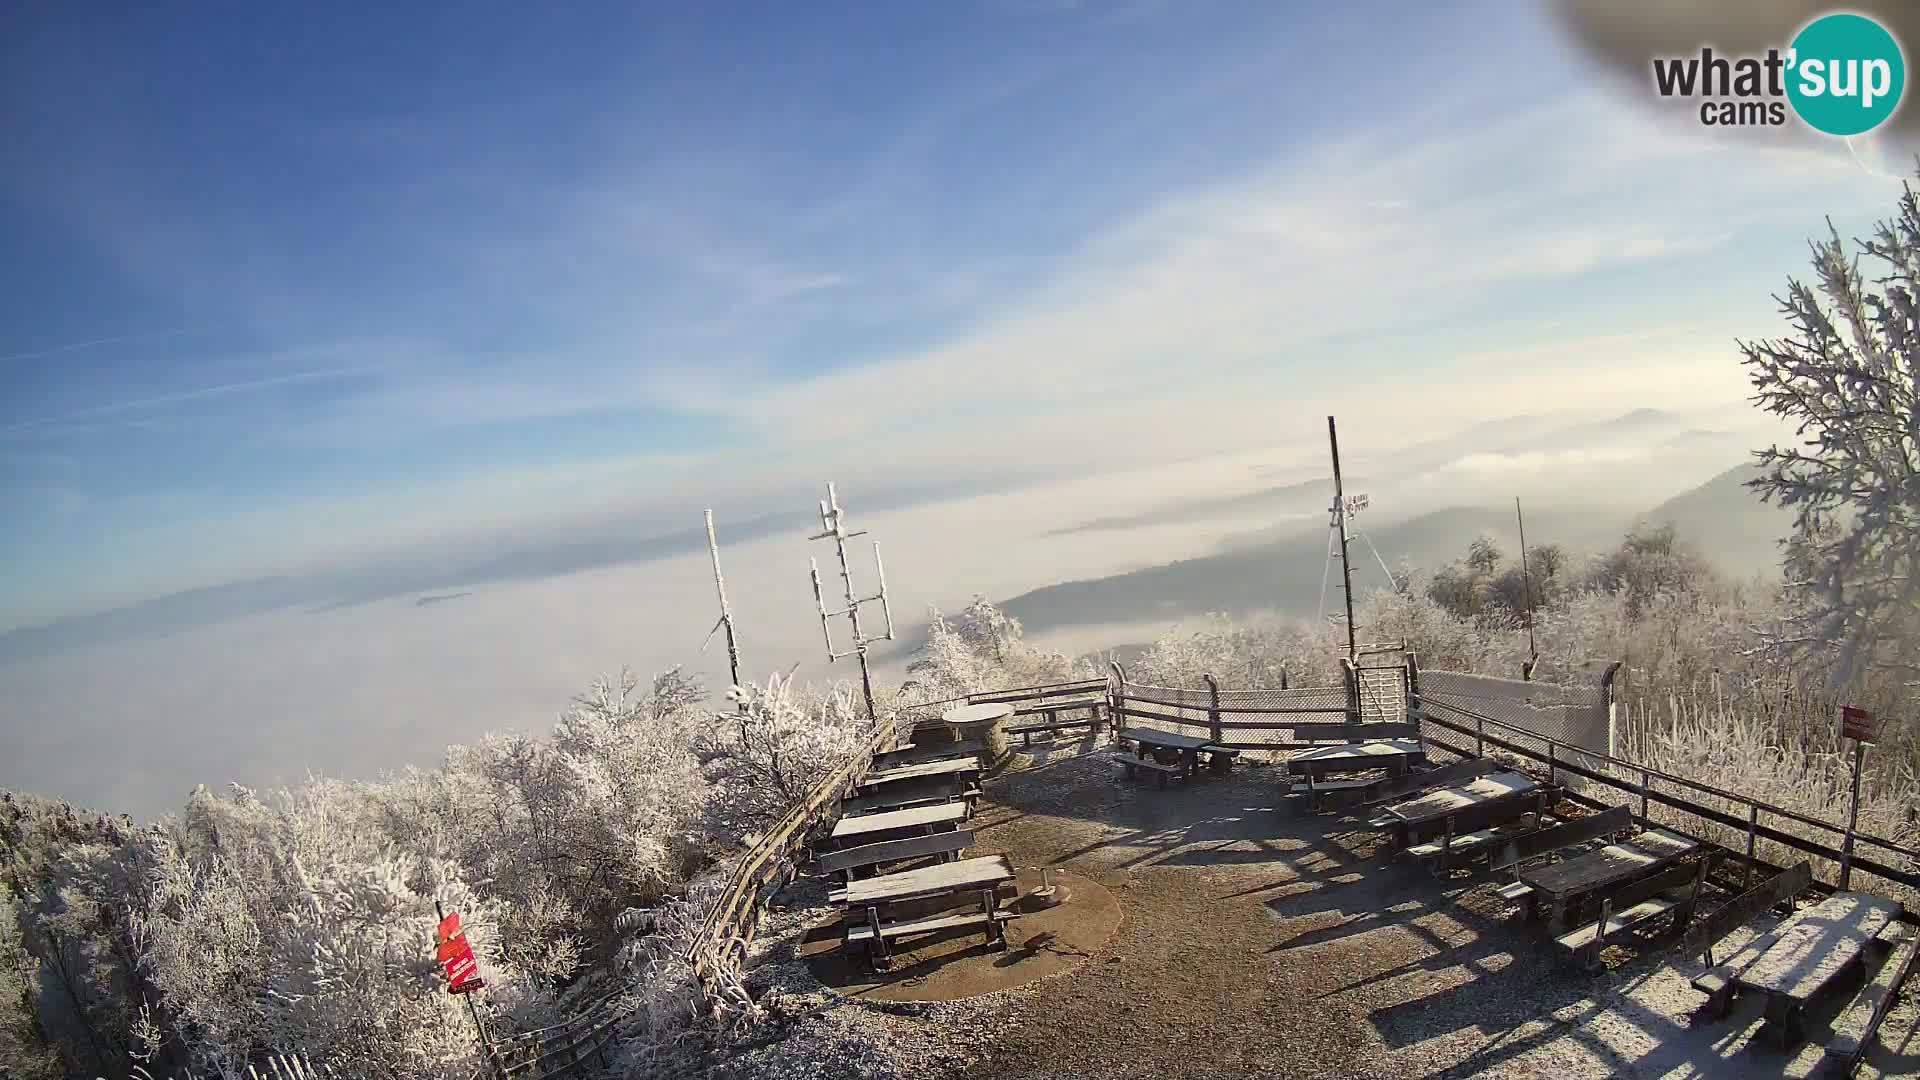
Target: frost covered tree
{"type": "Point", "coordinates": [1846, 377]}
{"type": "Point", "coordinates": [764, 754]}
{"type": "Point", "coordinates": [983, 648]}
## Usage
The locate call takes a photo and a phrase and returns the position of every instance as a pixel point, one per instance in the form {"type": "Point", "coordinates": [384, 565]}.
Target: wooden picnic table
{"type": "Point", "coordinates": [940, 879]}
{"type": "Point", "coordinates": [1564, 882]}
{"type": "Point", "coordinates": [868, 828]}
{"type": "Point", "coordinates": [1188, 747]}
{"type": "Point", "coordinates": [1471, 806]}
{"type": "Point", "coordinates": [1357, 757]}
{"type": "Point", "coordinates": [1809, 953]}
{"type": "Point", "coordinates": [867, 901]}
{"type": "Point", "coordinates": [961, 768]}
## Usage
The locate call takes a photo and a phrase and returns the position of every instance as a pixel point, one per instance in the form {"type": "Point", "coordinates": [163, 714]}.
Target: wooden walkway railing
{"type": "Point", "coordinates": [278, 1067]}
{"type": "Point", "coordinates": [1642, 783]}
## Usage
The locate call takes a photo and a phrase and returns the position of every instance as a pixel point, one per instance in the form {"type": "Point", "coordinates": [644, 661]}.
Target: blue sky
{"type": "Point", "coordinates": [286, 288]}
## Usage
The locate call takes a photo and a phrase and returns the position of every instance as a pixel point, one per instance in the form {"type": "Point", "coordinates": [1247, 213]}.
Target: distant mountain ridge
{"type": "Point", "coordinates": [1722, 519]}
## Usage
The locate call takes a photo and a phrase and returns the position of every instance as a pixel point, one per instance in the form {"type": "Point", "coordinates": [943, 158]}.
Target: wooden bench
{"type": "Point", "coordinates": [867, 933]}
{"type": "Point", "coordinates": [1811, 954]}
{"type": "Point", "coordinates": [1444, 853]}
{"type": "Point", "coordinates": [1717, 981]}
{"type": "Point", "coordinates": [1674, 891]}
{"type": "Point", "coordinates": [1159, 770]}
{"type": "Point", "coordinates": [1545, 843]}
{"type": "Point", "coordinates": [913, 793]}
{"type": "Point", "coordinates": [1857, 1025]}
{"type": "Point", "coordinates": [845, 862]}
{"type": "Point", "coordinates": [1052, 710]}
{"type": "Point", "coordinates": [934, 751]}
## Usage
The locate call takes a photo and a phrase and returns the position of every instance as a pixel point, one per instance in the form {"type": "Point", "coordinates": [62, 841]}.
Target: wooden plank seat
{"type": "Point", "coordinates": [930, 751]}
{"type": "Point", "coordinates": [1159, 770]}
{"type": "Point", "coordinates": [1523, 848]}
{"type": "Point", "coordinates": [1413, 783]}
{"type": "Point", "coordinates": [1674, 891]}
{"type": "Point", "coordinates": [1050, 712]}
{"type": "Point", "coordinates": [1857, 1025]}
{"type": "Point", "coordinates": [1356, 757]}
{"type": "Point", "coordinates": [1717, 981]}
{"type": "Point", "coordinates": [961, 768]}
{"type": "Point", "coordinates": [995, 922]}
{"type": "Point", "coordinates": [845, 862]}
{"type": "Point", "coordinates": [915, 793]}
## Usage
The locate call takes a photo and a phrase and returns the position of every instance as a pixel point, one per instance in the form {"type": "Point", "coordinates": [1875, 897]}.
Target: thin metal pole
{"type": "Point", "coordinates": [726, 612]}
{"type": "Point", "coordinates": [1340, 520]}
{"type": "Point", "coordinates": [1853, 817]}
{"type": "Point", "coordinates": [486, 1046]}
{"type": "Point", "coordinates": [1526, 578]}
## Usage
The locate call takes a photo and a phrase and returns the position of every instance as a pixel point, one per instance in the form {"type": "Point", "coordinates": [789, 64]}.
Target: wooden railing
{"type": "Point", "coordinates": [1639, 782]}
{"type": "Point", "coordinates": [766, 865]}
{"type": "Point", "coordinates": [277, 1067]}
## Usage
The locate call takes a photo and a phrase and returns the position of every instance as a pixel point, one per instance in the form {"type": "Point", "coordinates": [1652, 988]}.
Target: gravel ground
{"type": "Point", "coordinates": [1260, 942]}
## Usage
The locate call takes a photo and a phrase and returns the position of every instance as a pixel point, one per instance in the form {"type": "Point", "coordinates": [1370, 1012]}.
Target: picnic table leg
{"type": "Point", "coordinates": [1557, 916]}
{"type": "Point", "coordinates": [1783, 1018]}
{"type": "Point", "coordinates": [876, 952]}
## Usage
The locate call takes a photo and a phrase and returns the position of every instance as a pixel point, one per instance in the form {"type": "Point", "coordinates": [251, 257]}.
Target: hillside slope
{"type": "Point", "coordinates": [1728, 523]}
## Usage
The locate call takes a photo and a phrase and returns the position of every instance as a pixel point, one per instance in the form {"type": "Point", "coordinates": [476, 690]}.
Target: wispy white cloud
{"type": "Point", "coordinates": [183, 397]}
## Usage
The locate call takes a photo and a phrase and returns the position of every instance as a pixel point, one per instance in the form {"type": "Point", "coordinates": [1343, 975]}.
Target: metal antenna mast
{"type": "Point", "coordinates": [1340, 522]}
{"type": "Point", "coordinates": [1526, 578]}
{"type": "Point", "coordinates": [726, 612]}
{"type": "Point", "coordinates": [833, 525]}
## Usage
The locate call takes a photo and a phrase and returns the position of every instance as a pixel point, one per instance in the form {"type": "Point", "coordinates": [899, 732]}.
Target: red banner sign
{"type": "Point", "coordinates": [462, 969]}
{"type": "Point", "coordinates": [1856, 724]}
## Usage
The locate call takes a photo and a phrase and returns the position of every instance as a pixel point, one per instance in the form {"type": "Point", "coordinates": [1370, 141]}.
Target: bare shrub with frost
{"type": "Point", "coordinates": [1261, 653]}
{"type": "Point", "coordinates": [764, 755]}
{"type": "Point", "coordinates": [981, 649]}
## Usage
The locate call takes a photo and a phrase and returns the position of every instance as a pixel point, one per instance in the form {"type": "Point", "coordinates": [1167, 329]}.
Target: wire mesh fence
{"type": "Point", "coordinates": [1574, 715]}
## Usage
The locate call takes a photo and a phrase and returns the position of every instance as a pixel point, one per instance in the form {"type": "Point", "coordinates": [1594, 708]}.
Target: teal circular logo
{"type": "Point", "coordinates": [1847, 74]}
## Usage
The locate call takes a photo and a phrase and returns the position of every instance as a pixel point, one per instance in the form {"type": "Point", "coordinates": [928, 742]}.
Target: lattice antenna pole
{"type": "Point", "coordinates": [833, 526]}
{"type": "Point", "coordinates": [726, 611]}
{"type": "Point", "coordinates": [1340, 522]}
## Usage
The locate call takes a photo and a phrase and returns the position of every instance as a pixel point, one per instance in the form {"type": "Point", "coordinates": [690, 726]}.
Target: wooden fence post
{"type": "Point", "coordinates": [1416, 712]}
{"type": "Point", "coordinates": [1116, 695]}
{"type": "Point", "coordinates": [1753, 827]}
{"type": "Point", "coordinates": [1213, 708]}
